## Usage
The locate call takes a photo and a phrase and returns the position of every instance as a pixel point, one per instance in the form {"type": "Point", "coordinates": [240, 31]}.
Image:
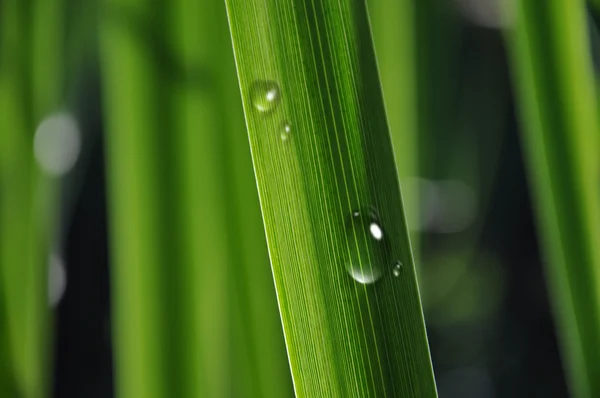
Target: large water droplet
{"type": "Point", "coordinates": [286, 129]}
{"type": "Point", "coordinates": [367, 254]}
{"type": "Point", "coordinates": [265, 95]}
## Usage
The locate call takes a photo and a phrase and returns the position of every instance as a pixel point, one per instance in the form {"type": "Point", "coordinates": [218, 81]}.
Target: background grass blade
{"type": "Point", "coordinates": [322, 152]}
{"type": "Point", "coordinates": [141, 202]}
{"type": "Point", "coordinates": [31, 87]}
{"type": "Point", "coordinates": [221, 199]}
{"type": "Point", "coordinates": [6, 372]}
{"type": "Point", "coordinates": [554, 79]}
{"type": "Point", "coordinates": [394, 33]}
{"type": "Point", "coordinates": [188, 274]}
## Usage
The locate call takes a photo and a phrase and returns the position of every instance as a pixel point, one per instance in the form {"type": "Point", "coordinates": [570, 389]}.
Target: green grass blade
{"type": "Point", "coordinates": [259, 357]}
{"type": "Point", "coordinates": [47, 61]}
{"type": "Point", "coordinates": [15, 168]}
{"type": "Point", "coordinates": [188, 246]}
{"type": "Point", "coordinates": [437, 58]}
{"type": "Point", "coordinates": [28, 93]}
{"type": "Point", "coordinates": [139, 237]}
{"type": "Point", "coordinates": [196, 116]}
{"type": "Point", "coordinates": [226, 234]}
{"type": "Point", "coordinates": [6, 371]}
{"type": "Point", "coordinates": [321, 151]}
{"type": "Point", "coordinates": [554, 79]}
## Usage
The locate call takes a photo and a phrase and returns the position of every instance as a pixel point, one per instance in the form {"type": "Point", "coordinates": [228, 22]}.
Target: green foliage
{"type": "Point", "coordinates": [192, 291]}
{"type": "Point", "coordinates": [326, 174]}
{"type": "Point", "coordinates": [554, 79]}
{"type": "Point", "coordinates": [31, 86]}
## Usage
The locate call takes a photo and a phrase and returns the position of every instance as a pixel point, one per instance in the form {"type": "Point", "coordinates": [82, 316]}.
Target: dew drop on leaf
{"type": "Point", "coordinates": [367, 247]}
{"type": "Point", "coordinates": [265, 95]}
{"type": "Point", "coordinates": [397, 268]}
{"type": "Point", "coordinates": [286, 129]}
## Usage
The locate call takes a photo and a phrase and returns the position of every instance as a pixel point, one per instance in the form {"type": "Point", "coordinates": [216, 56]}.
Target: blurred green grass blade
{"type": "Point", "coordinates": [48, 85]}
{"type": "Point", "coordinates": [394, 33]}
{"type": "Point", "coordinates": [6, 376]}
{"type": "Point", "coordinates": [225, 233]}
{"type": "Point", "coordinates": [28, 199]}
{"type": "Point", "coordinates": [321, 151]}
{"type": "Point", "coordinates": [47, 60]}
{"type": "Point", "coordinates": [196, 119]}
{"type": "Point", "coordinates": [417, 47]}
{"type": "Point", "coordinates": [554, 79]}
{"type": "Point", "coordinates": [437, 57]}
{"type": "Point", "coordinates": [188, 246]}
{"type": "Point", "coordinates": [140, 234]}
{"type": "Point", "coordinates": [15, 168]}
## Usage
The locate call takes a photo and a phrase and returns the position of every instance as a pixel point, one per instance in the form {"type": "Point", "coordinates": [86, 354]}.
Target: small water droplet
{"type": "Point", "coordinates": [286, 129]}
{"type": "Point", "coordinates": [265, 95]}
{"type": "Point", "coordinates": [367, 247]}
{"type": "Point", "coordinates": [397, 268]}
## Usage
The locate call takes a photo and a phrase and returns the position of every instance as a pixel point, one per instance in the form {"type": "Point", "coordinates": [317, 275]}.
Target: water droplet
{"type": "Point", "coordinates": [367, 244]}
{"type": "Point", "coordinates": [286, 129]}
{"type": "Point", "coordinates": [265, 95]}
{"type": "Point", "coordinates": [397, 268]}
